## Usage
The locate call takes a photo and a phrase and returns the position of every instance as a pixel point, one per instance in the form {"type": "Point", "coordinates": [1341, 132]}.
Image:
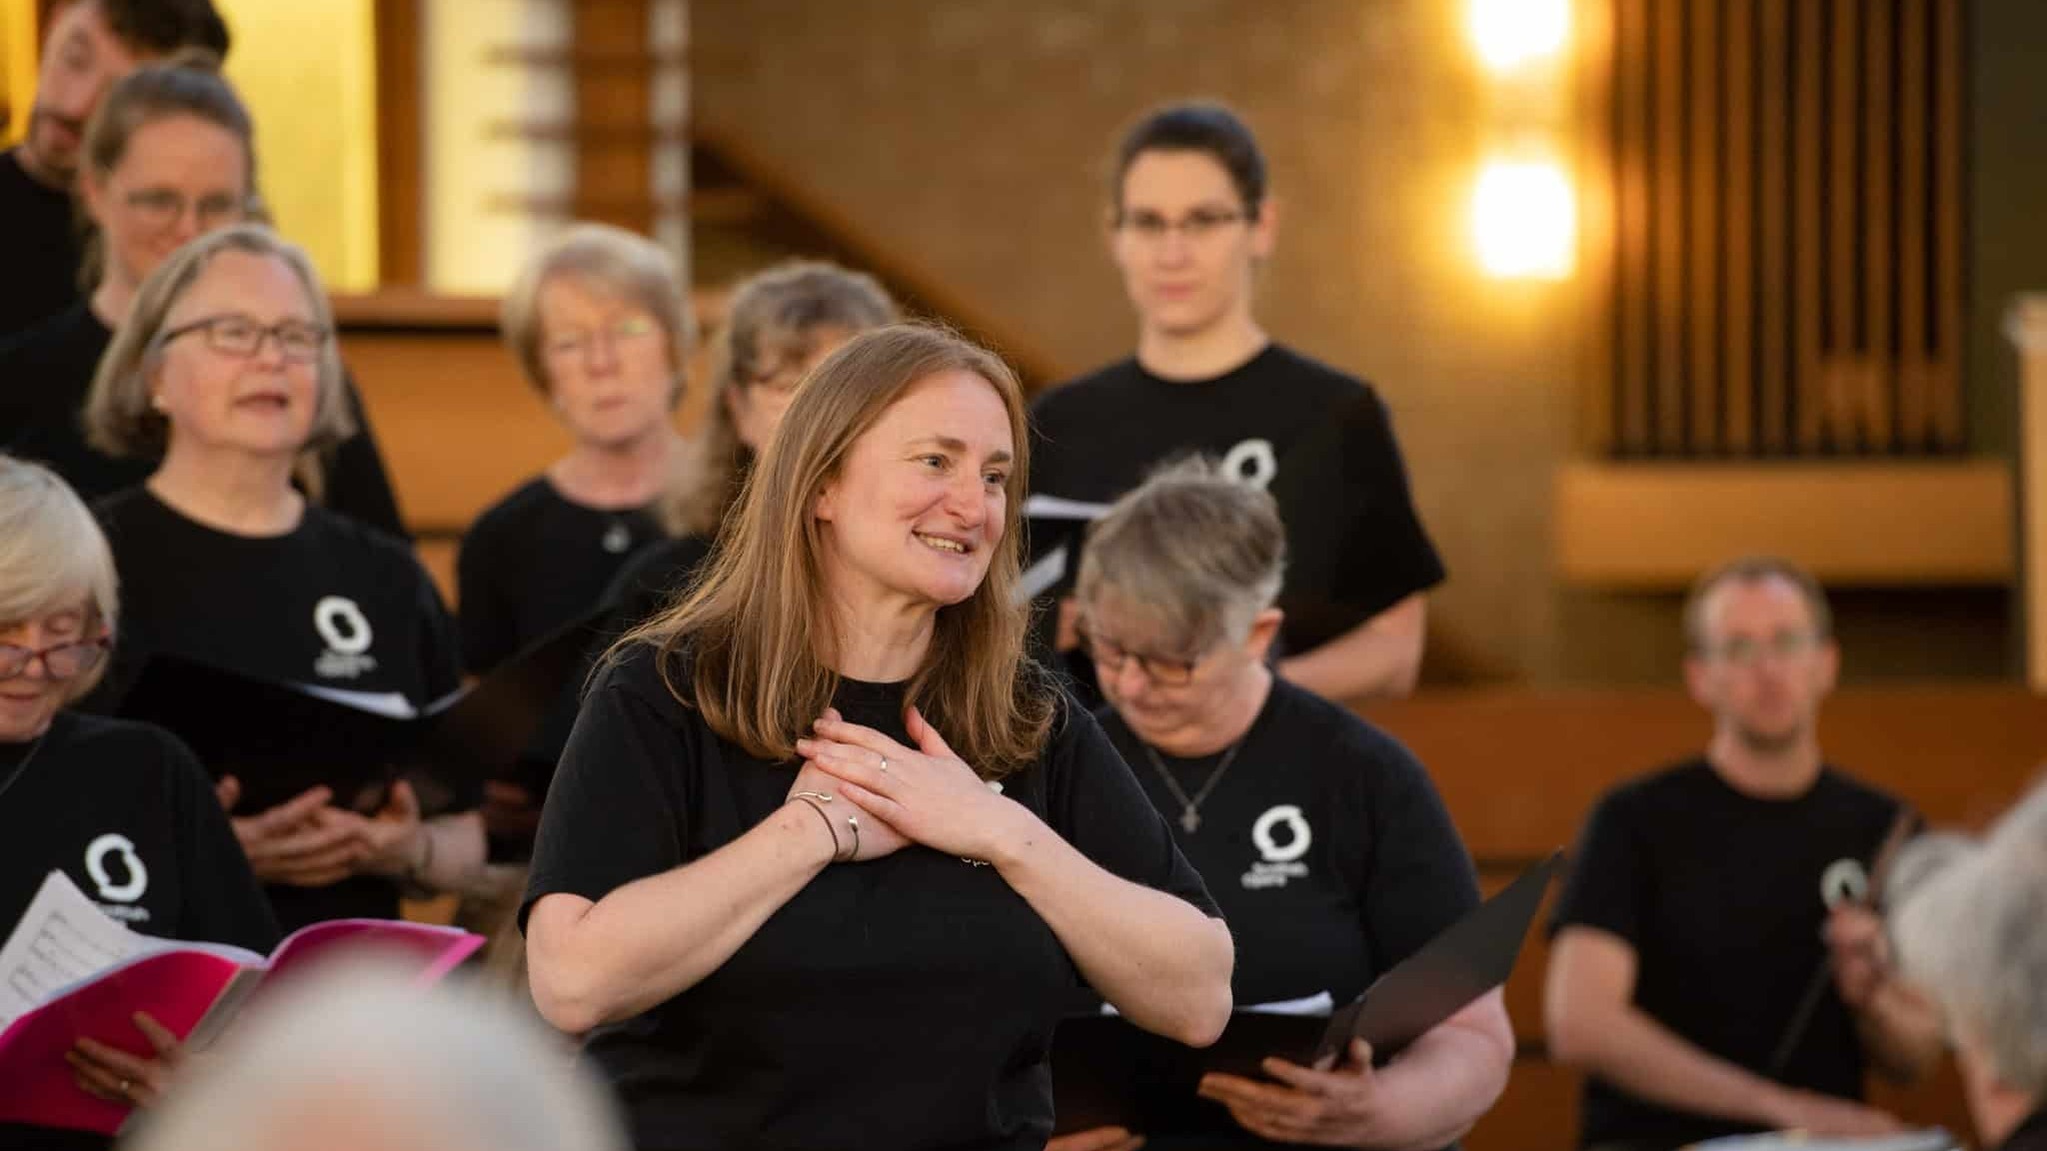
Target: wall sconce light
{"type": "Point", "coordinates": [1524, 218]}
{"type": "Point", "coordinates": [1510, 33]}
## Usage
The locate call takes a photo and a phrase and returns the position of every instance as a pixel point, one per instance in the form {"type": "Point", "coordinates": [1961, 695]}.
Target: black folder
{"type": "Point", "coordinates": [279, 738]}
{"type": "Point", "coordinates": [1107, 1072]}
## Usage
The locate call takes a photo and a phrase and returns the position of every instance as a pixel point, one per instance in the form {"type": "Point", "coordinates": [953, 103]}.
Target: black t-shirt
{"type": "Point", "coordinates": [907, 1002]}
{"type": "Point", "coordinates": [332, 603]}
{"type": "Point", "coordinates": [651, 580]}
{"type": "Point", "coordinates": [125, 811]}
{"type": "Point", "coordinates": [1719, 893]}
{"type": "Point", "coordinates": [1327, 847]}
{"type": "Point", "coordinates": [46, 373]}
{"type": "Point", "coordinates": [534, 561]}
{"type": "Point", "coordinates": [41, 239]}
{"type": "Point", "coordinates": [1320, 441]}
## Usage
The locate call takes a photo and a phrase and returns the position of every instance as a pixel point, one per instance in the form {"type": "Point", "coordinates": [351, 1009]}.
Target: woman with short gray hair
{"type": "Point", "coordinates": [1966, 924]}
{"type": "Point", "coordinates": [122, 809]}
{"type": "Point", "coordinates": [1320, 836]}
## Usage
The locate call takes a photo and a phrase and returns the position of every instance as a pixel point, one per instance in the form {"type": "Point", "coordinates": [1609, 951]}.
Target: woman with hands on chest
{"type": "Point", "coordinates": [827, 857]}
{"type": "Point", "coordinates": [1321, 837]}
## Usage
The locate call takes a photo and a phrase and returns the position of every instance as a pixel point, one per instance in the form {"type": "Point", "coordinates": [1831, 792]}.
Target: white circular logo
{"type": "Point", "coordinates": [342, 624]}
{"type": "Point", "coordinates": [1298, 835]}
{"type": "Point", "coordinates": [96, 854]}
{"type": "Point", "coordinates": [1251, 462]}
{"type": "Point", "coordinates": [1844, 881]}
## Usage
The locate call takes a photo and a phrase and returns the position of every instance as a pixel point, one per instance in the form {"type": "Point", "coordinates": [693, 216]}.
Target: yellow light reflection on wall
{"type": "Point", "coordinates": [1510, 33]}
{"type": "Point", "coordinates": [1524, 219]}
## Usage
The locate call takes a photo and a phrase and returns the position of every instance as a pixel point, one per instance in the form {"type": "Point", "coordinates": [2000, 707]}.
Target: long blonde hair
{"type": "Point", "coordinates": [756, 630]}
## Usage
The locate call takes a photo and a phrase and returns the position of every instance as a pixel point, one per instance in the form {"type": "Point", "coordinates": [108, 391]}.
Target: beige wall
{"type": "Point", "coordinates": [969, 137]}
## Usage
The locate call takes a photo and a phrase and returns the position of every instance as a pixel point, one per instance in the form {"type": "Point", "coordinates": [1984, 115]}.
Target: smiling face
{"type": "Point", "coordinates": [609, 375]}
{"type": "Point", "coordinates": [29, 698]}
{"type": "Point", "coordinates": [262, 404]}
{"type": "Point", "coordinates": [918, 503]}
{"type": "Point", "coordinates": [179, 177]}
{"type": "Point", "coordinates": [1183, 241]}
{"type": "Point", "coordinates": [82, 58]}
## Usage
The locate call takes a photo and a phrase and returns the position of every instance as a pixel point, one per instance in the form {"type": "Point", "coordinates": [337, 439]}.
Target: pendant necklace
{"type": "Point", "coordinates": [1190, 806]}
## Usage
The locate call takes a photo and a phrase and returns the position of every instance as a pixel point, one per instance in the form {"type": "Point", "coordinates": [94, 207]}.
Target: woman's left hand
{"type": "Point", "coordinates": [927, 793]}
{"type": "Point", "coordinates": [131, 1080]}
{"type": "Point", "coordinates": [1335, 1108]}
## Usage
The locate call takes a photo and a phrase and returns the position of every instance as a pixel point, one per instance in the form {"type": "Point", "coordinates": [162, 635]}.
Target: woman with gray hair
{"type": "Point", "coordinates": [1966, 923]}
{"type": "Point", "coordinates": [226, 369]}
{"type": "Point", "coordinates": [1320, 836]}
{"type": "Point", "coordinates": [360, 1058]}
{"type": "Point", "coordinates": [123, 809]}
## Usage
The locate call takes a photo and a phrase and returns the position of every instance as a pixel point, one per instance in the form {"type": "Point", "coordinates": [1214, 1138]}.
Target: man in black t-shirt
{"type": "Point", "coordinates": [1714, 970]}
{"type": "Point", "coordinates": [90, 44]}
{"type": "Point", "coordinates": [1189, 226]}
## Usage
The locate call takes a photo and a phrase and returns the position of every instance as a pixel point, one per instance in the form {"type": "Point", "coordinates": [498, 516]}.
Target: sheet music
{"type": "Point", "coordinates": [61, 939]}
{"type": "Point", "coordinates": [1040, 576]}
{"type": "Point", "coordinates": [390, 704]}
{"type": "Point", "coordinates": [1317, 1006]}
{"type": "Point", "coordinates": [1044, 507]}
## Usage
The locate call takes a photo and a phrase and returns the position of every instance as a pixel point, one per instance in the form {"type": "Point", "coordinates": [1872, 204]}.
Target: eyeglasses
{"type": "Point", "coordinates": [1196, 225]}
{"type": "Point", "coordinates": [1743, 651]}
{"type": "Point", "coordinates": [235, 334]}
{"type": "Point", "coordinates": [163, 207]}
{"type": "Point", "coordinates": [60, 661]}
{"type": "Point", "coordinates": [576, 342]}
{"type": "Point", "coordinates": [1110, 657]}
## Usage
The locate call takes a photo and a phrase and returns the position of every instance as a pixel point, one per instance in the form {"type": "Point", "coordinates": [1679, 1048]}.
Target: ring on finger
{"type": "Point", "coordinates": [884, 765]}
{"type": "Point", "coordinates": [126, 1084]}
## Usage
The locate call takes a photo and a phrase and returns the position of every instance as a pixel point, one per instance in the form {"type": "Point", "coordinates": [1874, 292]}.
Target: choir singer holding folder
{"type": "Point", "coordinates": [1321, 837]}
{"type": "Point", "coordinates": [827, 856]}
{"type": "Point", "coordinates": [121, 808]}
{"type": "Point", "coordinates": [226, 369]}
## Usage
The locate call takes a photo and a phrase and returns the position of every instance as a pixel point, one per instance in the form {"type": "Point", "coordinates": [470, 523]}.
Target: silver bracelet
{"type": "Point", "coordinates": [811, 799]}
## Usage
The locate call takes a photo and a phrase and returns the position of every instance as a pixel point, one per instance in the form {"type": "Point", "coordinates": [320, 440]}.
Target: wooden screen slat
{"type": "Point", "coordinates": [1914, 411]}
{"type": "Point", "coordinates": [1669, 200]}
{"type": "Point", "coordinates": [1774, 200]}
{"type": "Point", "coordinates": [1703, 298]}
{"type": "Point", "coordinates": [1634, 284]}
{"type": "Point", "coordinates": [1873, 374]}
{"type": "Point", "coordinates": [1807, 95]}
{"type": "Point", "coordinates": [1843, 236]}
{"type": "Point", "coordinates": [614, 185]}
{"type": "Point", "coordinates": [1738, 284]}
{"type": "Point", "coordinates": [1947, 136]}
{"type": "Point", "coordinates": [1597, 231]}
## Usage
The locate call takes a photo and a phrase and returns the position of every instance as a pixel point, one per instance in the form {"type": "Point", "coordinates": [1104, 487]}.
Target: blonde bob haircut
{"type": "Point", "coordinates": [120, 418]}
{"type": "Point", "coordinates": [52, 556]}
{"type": "Point", "coordinates": [624, 265]}
{"type": "Point", "coordinates": [754, 633]}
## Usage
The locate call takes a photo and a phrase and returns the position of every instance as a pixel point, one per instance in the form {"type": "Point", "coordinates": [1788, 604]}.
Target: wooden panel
{"type": "Point", "coordinates": [401, 199]}
{"type": "Point", "coordinates": [1537, 1112]}
{"type": "Point", "coordinates": [437, 555]}
{"type": "Point", "coordinates": [1808, 92]}
{"type": "Point", "coordinates": [1702, 186]}
{"type": "Point", "coordinates": [1634, 300]}
{"type": "Point", "coordinates": [1598, 278]}
{"type": "Point", "coordinates": [1737, 284]}
{"type": "Point", "coordinates": [1773, 258]}
{"type": "Point", "coordinates": [1874, 379]}
{"type": "Point", "coordinates": [1915, 415]}
{"type": "Point", "coordinates": [1668, 202]}
{"type": "Point", "coordinates": [1947, 375]}
{"type": "Point", "coordinates": [2028, 329]}
{"type": "Point", "coordinates": [1651, 525]}
{"type": "Point", "coordinates": [1844, 238]}
{"type": "Point", "coordinates": [613, 183]}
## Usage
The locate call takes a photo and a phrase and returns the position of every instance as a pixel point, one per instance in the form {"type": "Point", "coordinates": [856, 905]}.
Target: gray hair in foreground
{"type": "Point", "coordinates": [357, 1057]}
{"type": "Point", "coordinates": [1966, 920]}
{"type": "Point", "coordinates": [1192, 552]}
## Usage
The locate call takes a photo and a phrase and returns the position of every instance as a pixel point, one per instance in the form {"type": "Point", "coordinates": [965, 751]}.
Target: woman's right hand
{"type": "Point", "coordinates": [876, 837]}
{"type": "Point", "coordinates": [1096, 1139]}
{"type": "Point", "coordinates": [303, 842]}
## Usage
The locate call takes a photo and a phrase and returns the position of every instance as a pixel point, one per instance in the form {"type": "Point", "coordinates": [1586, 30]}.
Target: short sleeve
{"type": "Point", "coordinates": [223, 902]}
{"type": "Point", "coordinates": [608, 819]}
{"type": "Point", "coordinates": [1097, 805]}
{"type": "Point", "coordinates": [1420, 879]}
{"type": "Point", "coordinates": [1605, 886]}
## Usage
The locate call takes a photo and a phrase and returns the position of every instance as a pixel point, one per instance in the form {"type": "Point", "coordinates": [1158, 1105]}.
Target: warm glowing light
{"type": "Point", "coordinates": [1525, 220]}
{"type": "Point", "coordinates": [1513, 32]}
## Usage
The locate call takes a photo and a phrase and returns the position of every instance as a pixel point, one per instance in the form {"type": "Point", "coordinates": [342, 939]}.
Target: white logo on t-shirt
{"type": "Point", "coordinates": [346, 631]}
{"type": "Point", "coordinates": [1281, 857]}
{"type": "Point", "coordinates": [137, 882]}
{"type": "Point", "coordinates": [1252, 462]}
{"type": "Point", "coordinates": [1844, 881]}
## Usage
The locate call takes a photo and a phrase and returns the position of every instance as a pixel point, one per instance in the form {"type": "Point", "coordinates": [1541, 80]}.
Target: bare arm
{"type": "Point", "coordinates": [1380, 658]}
{"type": "Point", "coordinates": [646, 942]}
{"type": "Point", "coordinates": [1593, 1025]}
{"type": "Point", "coordinates": [1898, 1025]}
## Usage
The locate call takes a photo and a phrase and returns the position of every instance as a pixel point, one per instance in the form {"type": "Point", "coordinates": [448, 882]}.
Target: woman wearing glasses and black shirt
{"type": "Point", "coordinates": [168, 155]}
{"type": "Point", "coordinates": [120, 808]}
{"type": "Point", "coordinates": [1190, 225]}
{"type": "Point", "coordinates": [226, 370]}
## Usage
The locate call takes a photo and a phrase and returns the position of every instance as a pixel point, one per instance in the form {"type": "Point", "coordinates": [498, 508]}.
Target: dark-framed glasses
{"type": "Point", "coordinates": [1747, 651]}
{"type": "Point", "coordinates": [241, 336]}
{"type": "Point", "coordinates": [1197, 225]}
{"type": "Point", "coordinates": [60, 661]}
{"type": "Point", "coordinates": [1109, 656]}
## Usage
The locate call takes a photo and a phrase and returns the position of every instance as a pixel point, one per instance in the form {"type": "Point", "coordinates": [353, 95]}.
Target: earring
{"type": "Point", "coordinates": [156, 401]}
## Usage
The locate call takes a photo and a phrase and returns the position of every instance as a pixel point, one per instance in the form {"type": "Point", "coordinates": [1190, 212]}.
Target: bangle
{"type": "Point", "coordinates": [810, 800]}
